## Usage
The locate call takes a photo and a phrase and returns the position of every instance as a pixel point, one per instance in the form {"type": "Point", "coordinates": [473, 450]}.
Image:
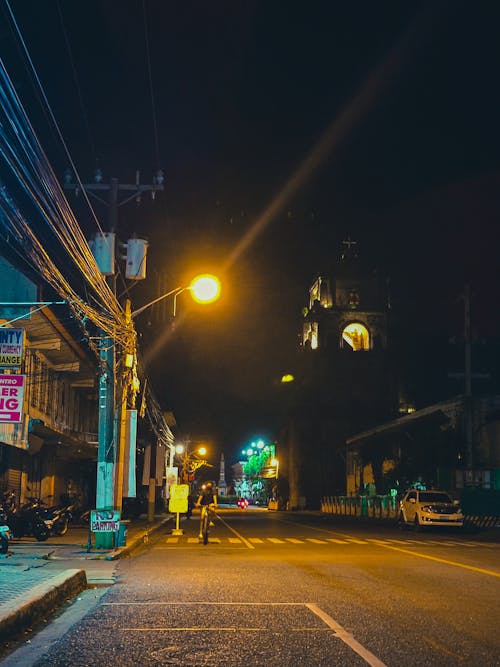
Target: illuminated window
{"type": "Point", "coordinates": [320, 292]}
{"type": "Point", "coordinates": [356, 337]}
{"type": "Point", "coordinates": [310, 335]}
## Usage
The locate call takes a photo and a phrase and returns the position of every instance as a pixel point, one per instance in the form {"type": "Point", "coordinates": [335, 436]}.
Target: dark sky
{"type": "Point", "coordinates": [387, 114]}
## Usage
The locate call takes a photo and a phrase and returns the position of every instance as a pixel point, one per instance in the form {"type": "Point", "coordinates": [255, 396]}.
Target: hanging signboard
{"type": "Point", "coordinates": [11, 398]}
{"type": "Point", "coordinates": [11, 347]}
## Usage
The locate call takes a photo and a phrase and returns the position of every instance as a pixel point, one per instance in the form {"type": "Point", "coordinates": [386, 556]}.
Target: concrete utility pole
{"type": "Point", "coordinates": [468, 379]}
{"type": "Point", "coordinates": [107, 477]}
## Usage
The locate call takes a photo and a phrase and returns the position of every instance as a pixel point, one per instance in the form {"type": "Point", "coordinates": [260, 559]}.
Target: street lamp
{"type": "Point", "coordinates": [205, 288]}
{"type": "Point", "coordinates": [191, 461]}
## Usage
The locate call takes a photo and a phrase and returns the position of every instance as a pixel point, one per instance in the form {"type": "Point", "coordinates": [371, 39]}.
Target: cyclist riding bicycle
{"type": "Point", "coordinates": [207, 499]}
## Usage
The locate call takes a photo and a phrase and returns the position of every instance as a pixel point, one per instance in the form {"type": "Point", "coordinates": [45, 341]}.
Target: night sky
{"type": "Point", "coordinates": [314, 121]}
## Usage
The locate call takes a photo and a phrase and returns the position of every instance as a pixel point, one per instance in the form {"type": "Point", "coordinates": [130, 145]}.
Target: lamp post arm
{"type": "Point", "coordinates": [175, 291]}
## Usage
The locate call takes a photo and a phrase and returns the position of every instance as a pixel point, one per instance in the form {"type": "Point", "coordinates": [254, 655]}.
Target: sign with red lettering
{"type": "Point", "coordinates": [11, 398]}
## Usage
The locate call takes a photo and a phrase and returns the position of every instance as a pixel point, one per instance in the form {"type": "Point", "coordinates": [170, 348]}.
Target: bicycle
{"type": "Point", "coordinates": [205, 523]}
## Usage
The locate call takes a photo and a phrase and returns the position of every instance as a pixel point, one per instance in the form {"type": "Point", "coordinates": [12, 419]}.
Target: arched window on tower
{"type": "Point", "coordinates": [356, 337]}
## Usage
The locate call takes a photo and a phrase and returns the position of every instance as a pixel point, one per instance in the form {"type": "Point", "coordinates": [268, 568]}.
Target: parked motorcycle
{"type": "Point", "coordinates": [55, 517]}
{"type": "Point", "coordinates": [25, 520]}
{"type": "Point", "coordinates": [4, 532]}
{"type": "Point", "coordinates": [58, 515]}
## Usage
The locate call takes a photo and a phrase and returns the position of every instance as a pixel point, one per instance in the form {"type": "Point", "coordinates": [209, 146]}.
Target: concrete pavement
{"type": "Point", "coordinates": [36, 577]}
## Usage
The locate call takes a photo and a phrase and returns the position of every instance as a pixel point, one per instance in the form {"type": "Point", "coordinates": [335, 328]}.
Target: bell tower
{"type": "Point", "coordinates": [347, 382]}
{"type": "Point", "coordinates": [348, 310]}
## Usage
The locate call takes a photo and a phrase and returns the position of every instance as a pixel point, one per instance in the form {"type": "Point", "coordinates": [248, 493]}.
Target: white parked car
{"type": "Point", "coordinates": [429, 508]}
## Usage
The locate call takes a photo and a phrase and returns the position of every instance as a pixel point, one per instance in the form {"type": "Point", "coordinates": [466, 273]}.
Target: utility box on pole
{"type": "Point", "coordinates": [136, 259]}
{"type": "Point", "coordinates": [103, 249]}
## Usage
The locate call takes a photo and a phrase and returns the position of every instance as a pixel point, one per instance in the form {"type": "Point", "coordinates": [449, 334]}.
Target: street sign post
{"type": "Point", "coordinates": [178, 503]}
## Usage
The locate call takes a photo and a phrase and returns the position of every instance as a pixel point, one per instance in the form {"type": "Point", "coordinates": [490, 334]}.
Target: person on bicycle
{"type": "Point", "coordinates": [207, 499]}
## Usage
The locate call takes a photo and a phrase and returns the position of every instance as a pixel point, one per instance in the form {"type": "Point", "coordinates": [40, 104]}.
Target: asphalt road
{"type": "Point", "coordinates": [274, 588]}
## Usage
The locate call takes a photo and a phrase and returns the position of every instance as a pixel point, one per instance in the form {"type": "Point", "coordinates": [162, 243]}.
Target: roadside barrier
{"type": "Point", "coordinates": [386, 507]}
{"type": "Point", "coordinates": [374, 507]}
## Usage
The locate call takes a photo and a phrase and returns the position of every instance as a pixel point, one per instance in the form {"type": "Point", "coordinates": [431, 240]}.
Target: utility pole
{"type": "Point", "coordinates": [109, 482]}
{"type": "Point", "coordinates": [468, 378]}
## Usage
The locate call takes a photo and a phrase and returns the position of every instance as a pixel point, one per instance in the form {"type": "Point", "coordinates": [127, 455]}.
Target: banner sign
{"type": "Point", "coordinates": [104, 521]}
{"type": "Point", "coordinates": [172, 477]}
{"type": "Point", "coordinates": [11, 347]}
{"type": "Point", "coordinates": [11, 398]}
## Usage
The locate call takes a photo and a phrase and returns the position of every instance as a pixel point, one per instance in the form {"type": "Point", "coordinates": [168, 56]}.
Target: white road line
{"type": "Point", "coordinates": [346, 637]}
{"type": "Point", "coordinates": [234, 540]}
{"type": "Point", "coordinates": [294, 540]}
{"type": "Point", "coordinates": [255, 540]}
{"type": "Point", "coordinates": [172, 540]}
{"type": "Point", "coordinates": [276, 540]}
{"type": "Point", "coordinates": [246, 542]}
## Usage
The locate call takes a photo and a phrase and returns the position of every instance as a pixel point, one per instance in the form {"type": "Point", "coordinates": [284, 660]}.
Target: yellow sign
{"type": "Point", "coordinates": [178, 498]}
{"type": "Point", "coordinates": [10, 359]}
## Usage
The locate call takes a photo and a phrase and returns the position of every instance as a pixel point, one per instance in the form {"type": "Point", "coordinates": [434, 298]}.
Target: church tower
{"type": "Point", "coordinates": [347, 310]}
{"type": "Point", "coordinates": [346, 383]}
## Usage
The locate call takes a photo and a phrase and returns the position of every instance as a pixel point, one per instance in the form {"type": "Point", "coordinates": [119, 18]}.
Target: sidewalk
{"type": "Point", "coordinates": [36, 576]}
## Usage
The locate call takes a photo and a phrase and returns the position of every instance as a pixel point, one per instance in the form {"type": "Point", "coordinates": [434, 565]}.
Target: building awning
{"type": "Point", "coordinates": [440, 413]}
{"type": "Point", "coordinates": [68, 446]}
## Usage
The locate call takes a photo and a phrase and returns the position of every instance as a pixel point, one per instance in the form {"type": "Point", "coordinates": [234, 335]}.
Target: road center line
{"type": "Point", "coordinates": [345, 636]}
{"type": "Point", "coordinates": [481, 570]}
{"type": "Point", "coordinates": [248, 544]}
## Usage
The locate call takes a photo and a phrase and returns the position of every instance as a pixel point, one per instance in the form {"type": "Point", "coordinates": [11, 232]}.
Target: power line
{"type": "Point", "coordinates": [77, 83]}
{"type": "Point", "coordinates": [153, 109]}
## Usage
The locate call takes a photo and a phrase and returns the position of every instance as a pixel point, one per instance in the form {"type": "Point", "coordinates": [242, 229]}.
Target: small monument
{"type": "Point", "coordinates": [222, 486]}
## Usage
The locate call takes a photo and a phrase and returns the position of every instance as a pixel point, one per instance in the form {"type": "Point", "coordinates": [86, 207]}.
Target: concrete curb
{"type": "Point", "coordinates": [137, 540]}
{"type": "Point", "coordinates": [39, 602]}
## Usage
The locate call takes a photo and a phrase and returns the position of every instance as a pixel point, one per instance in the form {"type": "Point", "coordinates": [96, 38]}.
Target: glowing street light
{"type": "Point", "coordinates": [205, 288]}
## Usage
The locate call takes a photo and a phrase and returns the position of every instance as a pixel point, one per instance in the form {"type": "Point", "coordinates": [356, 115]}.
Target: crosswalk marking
{"type": "Point", "coordinates": [315, 541]}
{"type": "Point", "coordinates": [173, 540]}
{"type": "Point", "coordinates": [353, 539]}
{"type": "Point", "coordinates": [335, 541]}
